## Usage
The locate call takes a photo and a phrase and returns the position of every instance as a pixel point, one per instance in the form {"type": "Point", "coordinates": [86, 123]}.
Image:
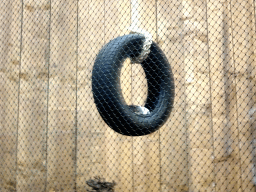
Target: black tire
{"type": "Point", "coordinates": [107, 91]}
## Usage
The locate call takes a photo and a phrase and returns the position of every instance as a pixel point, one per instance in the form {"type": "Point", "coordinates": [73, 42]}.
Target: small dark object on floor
{"type": "Point", "coordinates": [99, 184]}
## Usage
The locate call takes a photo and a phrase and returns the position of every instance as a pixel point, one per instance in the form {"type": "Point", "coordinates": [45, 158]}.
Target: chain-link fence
{"type": "Point", "coordinates": [70, 122]}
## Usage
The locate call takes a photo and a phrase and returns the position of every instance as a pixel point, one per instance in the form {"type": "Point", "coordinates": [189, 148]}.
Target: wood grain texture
{"type": "Point", "coordinates": [9, 69]}
{"type": "Point", "coordinates": [31, 163]}
{"type": "Point", "coordinates": [91, 153]}
{"type": "Point", "coordinates": [51, 135]}
{"type": "Point", "coordinates": [243, 26]}
{"type": "Point", "coordinates": [173, 134]}
{"type": "Point", "coordinates": [61, 164]}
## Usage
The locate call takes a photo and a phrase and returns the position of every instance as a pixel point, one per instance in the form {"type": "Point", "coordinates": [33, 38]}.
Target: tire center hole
{"type": "Point", "coordinates": [133, 84]}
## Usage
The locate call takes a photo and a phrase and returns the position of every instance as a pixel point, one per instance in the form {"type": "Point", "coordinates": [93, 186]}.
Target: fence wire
{"type": "Point", "coordinates": [57, 134]}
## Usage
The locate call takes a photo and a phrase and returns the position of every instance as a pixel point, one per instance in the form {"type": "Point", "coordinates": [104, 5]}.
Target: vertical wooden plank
{"type": "Point", "coordinates": [83, 119]}
{"type": "Point", "coordinates": [62, 97]}
{"type": "Point", "coordinates": [226, 154]}
{"type": "Point", "coordinates": [244, 44]}
{"type": "Point", "coordinates": [215, 35]}
{"type": "Point", "coordinates": [252, 75]}
{"type": "Point", "coordinates": [201, 167]}
{"type": "Point", "coordinates": [91, 153]}
{"type": "Point", "coordinates": [3, 52]}
{"type": "Point", "coordinates": [33, 97]}
{"type": "Point", "coordinates": [111, 22]}
{"type": "Point", "coordinates": [9, 69]}
{"type": "Point", "coordinates": [5, 27]}
{"type": "Point", "coordinates": [173, 141]}
{"type": "Point", "coordinates": [119, 147]}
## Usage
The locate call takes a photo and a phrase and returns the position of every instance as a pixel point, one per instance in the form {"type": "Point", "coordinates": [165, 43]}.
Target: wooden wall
{"type": "Point", "coordinates": [51, 135]}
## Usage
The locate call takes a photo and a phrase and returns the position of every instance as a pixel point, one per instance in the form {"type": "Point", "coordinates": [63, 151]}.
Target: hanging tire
{"type": "Point", "coordinates": [107, 91]}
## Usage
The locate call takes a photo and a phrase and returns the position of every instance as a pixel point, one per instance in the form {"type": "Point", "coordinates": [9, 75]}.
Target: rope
{"type": "Point", "coordinates": [146, 44]}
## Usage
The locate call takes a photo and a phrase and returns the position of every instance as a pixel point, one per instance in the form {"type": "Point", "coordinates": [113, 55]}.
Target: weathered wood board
{"type": "Point", "coordinates": [52, 137]}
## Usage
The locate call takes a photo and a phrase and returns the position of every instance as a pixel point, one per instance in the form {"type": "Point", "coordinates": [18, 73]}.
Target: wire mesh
{"type": "Point", "coordinates": [52, 137]}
